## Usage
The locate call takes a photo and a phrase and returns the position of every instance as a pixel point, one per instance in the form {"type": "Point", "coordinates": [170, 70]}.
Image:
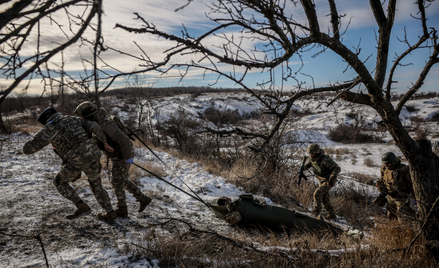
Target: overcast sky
{"type": "Point", "coordinates": [326, 68]}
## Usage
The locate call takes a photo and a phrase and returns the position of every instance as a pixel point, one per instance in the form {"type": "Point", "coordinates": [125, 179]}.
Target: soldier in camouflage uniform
{"type": "Point", "coordinates": [395, 183]}
{"type": "Point", "coordinates": [326, 171]}
{"type": "Point", "coordinates": [79, 153]}
{"type": "Point", "coordinates": [121, 158]}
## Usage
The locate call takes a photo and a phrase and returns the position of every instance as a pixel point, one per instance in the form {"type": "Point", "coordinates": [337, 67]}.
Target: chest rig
{"type": "Point", "coordinates": [70, 134]}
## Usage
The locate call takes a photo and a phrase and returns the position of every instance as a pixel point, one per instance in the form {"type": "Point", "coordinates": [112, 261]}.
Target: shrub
{"type": "Point", "coordinates": [363, 178]}
{"type": "Point", "coordinates": [222, 117]}
{"type": "Point", "coordinates": [369, 162]}
{"type": "Point", "coordinates": [411, 108]}
{"type": "Point", "coordinates": [351, 134]}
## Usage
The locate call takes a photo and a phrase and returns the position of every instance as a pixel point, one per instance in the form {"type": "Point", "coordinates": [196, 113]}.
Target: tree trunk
{"type": "Point", "coordinates": [424, 173]}
{"type": "Point", "coordinates": [425, 176]}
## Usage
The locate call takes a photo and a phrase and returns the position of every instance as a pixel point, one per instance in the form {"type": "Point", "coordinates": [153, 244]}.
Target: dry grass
{"type": "Point", "coordinates": [369, 162]}
{"type": "Point", "coordinates": [136, 173]}
{"type": "Point", "coordinates": [25, 126]}
{"type": "Point", "coordinates": [249, 248]}
{"type": "Point", "coordinates": [363, 178]}
{"type": "Point", "coordinates": [338, 153]}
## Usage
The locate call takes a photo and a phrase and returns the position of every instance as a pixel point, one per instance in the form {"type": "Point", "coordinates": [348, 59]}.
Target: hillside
{"type": "Point", "coordinates": [174, 224]}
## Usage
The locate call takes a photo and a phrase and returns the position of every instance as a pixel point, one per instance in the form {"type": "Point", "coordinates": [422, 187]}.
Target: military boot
{"type": "Point", "coordinates": [144, 201]}
{"type": "Point", "coordinates": [331, 215]}
{"type": "Point", "coordinates": [315, 212]}
{"type": "Point", "coordinates": [122, 212]}
{"type": "Point", "coordinates": [82, 209]}
{"type": "Point", "coordinates": [107, 216]}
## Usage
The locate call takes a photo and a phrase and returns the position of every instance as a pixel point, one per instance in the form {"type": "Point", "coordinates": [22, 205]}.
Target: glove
{"type": "Point", "coordinates": [331, 181]}
{"type": "Point", "coordinates": [130, 161]}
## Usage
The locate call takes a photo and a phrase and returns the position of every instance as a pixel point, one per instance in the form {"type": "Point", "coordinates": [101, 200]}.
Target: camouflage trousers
{"type": "Point", "coordinates": [121, 182]}
{"type": "Point", "coordinates": [72, 168]}
{"type": "Point", "coordinates": [321, 195]}
{"type": "Point", "coordinates": [399, 208]}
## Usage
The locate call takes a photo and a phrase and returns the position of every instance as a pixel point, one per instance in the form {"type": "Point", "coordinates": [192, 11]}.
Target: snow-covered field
{"type": "Point", "coordinates": [30, 204]}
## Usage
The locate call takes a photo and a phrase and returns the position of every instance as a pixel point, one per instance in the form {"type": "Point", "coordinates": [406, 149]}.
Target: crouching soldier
{"type": "Point", "coordinates": [326, 171]}
{"type": "Point", "coordinates": [121, 158]}
{"type": "Point", "coordinates": [395, 183]}
{"type": "Point", "coordinates": [79, 153]}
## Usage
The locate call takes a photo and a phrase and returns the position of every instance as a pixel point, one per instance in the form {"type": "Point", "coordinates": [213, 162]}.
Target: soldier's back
{"type": "Point", "coordinates": [71, 138]}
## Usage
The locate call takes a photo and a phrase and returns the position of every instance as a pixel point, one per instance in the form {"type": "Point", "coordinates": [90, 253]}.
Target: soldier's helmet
{"type": "Point", "coordinates": [313, 149]}
{"type": "Point", "coordinates": [223, 200]}
{"type": "Point", "coordinates": [389, 157]}
{"type": "Point", "coordinates": [86, 109]}
{"type": "Point", "coordinates": [46, 114]}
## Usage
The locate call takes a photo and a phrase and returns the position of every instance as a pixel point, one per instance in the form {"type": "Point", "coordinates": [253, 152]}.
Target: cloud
{"type": "Point", "coordinates": [162, 14]}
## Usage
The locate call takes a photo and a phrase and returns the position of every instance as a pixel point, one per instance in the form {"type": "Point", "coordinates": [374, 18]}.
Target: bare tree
{"type": "Point", "coordinates": [29, 51]}
{"type": "Point", "coordinates": [273, 24]}
{"type": "Point", "coordinates": [20, 27]}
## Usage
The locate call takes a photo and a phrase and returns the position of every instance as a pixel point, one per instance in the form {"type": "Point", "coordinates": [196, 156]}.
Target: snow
{"type": "Point", "coordinates": [31, 205]}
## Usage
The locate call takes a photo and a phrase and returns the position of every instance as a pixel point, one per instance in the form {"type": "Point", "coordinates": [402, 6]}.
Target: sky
{"type": "Point", "coordinates": [327, 68]}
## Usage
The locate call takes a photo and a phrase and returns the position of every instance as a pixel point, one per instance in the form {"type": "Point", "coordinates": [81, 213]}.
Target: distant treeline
{"type": "Point", "coordinates": [20, 102]}
{"type": "Point", "coordinates": [166, 91]}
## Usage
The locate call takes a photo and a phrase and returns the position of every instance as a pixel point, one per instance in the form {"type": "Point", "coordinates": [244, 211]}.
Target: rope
{"type": "Point", "coordinates": [198, 198]}
{"type": "Point", "coordinates": [178, 188]}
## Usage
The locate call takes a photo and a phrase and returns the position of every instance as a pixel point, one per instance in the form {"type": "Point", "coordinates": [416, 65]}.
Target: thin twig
{"type": "Point", "coordinates": [37, 237]}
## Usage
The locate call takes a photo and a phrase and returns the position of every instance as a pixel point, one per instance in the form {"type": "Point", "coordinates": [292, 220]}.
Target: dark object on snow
{"type": "Point", "coordinates": [371, 182]}
{"type": "Point", "coordinates": [259, 214]}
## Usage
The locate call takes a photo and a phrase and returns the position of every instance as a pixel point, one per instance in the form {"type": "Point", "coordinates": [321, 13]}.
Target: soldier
{"type": "Point", "coordinates": [326, 171]}
{"type": "Point", "coordinates": [395, 183]}
{"type": "Point", "coordinates": [68, 136]}
{"type": "Point", "coordinates": [121, 158]}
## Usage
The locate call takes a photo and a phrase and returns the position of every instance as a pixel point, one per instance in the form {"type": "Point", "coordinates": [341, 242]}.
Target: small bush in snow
{"type": "Point", "coordinates": [369, 162]}
{"type": "Point", "coordinates": [351, 134]}
{"type": "Point", "coordinates": [411, 108]}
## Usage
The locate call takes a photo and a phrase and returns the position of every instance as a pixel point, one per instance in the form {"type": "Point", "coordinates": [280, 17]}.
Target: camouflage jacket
{"type": "Point", "coordinates": [395, 181]}
{"type": "Point", "coordinates": [67, 134]}
{"type": "Point", "coordinates": [324, 168]}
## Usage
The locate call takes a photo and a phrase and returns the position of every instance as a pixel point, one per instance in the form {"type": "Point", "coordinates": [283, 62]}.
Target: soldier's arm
{"type": "Point", "coordinates": [40, 140]}
{"type": "Point", "coordinates": [116, 135]}
{"type": "Point", "coordinates": [307, 165]}
{"type": "Point", "coordinates": [330, 164]}
{"type": "Point", "coordinates": [93, 127]}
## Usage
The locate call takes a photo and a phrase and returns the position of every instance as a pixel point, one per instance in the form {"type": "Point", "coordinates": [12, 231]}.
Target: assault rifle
{"type": "Point", "coordinates": [301, 175]}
